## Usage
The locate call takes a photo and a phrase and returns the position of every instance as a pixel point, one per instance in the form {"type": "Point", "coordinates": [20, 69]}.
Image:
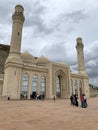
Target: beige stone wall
{"type": "Point", "coordinates": [86, 86]}
{"type": "Point", "coordinates": [31, 71]}
{"type": "Point", "coordinates": [63, 71]}
{"type": "Point", "coordinates": [50, 74]}
{"type": "Point", "coordinates": [12, 81]}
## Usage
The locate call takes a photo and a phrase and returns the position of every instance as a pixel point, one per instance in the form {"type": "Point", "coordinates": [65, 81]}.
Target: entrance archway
{"type": "Point", "coordinates": [60, 86]}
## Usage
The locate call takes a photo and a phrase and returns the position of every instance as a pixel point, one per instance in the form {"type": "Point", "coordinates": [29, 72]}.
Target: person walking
{"type": "Point", "coordinates": [54, 98]}
{"type": "Point", "coordinates": [82, 100]}
{"type": "Point", "coordinates": [71, 99]}
{"type": "Point", "coordinates": [85, 101]}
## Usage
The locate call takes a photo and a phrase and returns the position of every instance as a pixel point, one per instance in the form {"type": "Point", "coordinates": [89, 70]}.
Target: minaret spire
{"type": "Point", "coordinates": [80, 54]}
{"type": "Point", "coordinates": [18, 19]}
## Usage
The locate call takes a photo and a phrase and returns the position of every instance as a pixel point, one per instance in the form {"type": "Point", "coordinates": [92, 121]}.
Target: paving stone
{"type": "Point", "coordinates": [48, 115]}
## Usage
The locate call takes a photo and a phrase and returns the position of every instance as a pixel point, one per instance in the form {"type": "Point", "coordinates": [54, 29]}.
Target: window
{"type": "Point", "coordinates": [43, 83]}
{"type": "Point", "coordinates": [76, 86]}
{"type": "Point", "coordinates": [25, 79]}
{"type": "Point", "coordinates": [58, 86]}
{"type": "Point", "coordinates": [34, 83]}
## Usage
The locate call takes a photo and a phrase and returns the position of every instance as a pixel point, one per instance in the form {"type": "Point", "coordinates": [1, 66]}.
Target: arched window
{"type": "Point", "coordinates": [43, 84]}
{"type": "Point", "coordinates": [25, 79]}
{"type": "Point", "coordinates": [80, 87]}
{"type": "Point", "coordinates": [76, 86]}
{"type": "Point", "coordinates": [71, 86]}
{"type": "Point", "coordinates": [58, 92]}
{"type": "Point", "coordinates": [34, 83]}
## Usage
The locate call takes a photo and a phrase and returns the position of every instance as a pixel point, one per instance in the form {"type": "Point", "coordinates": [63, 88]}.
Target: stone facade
{"type": "Point", "coordinates": [25, 74]}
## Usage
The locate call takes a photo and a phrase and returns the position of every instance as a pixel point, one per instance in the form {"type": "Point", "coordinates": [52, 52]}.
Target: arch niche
{"type": "Point", "coordinates": [24, 89]}
{"type": "Point", "coordinates": [60, 89]}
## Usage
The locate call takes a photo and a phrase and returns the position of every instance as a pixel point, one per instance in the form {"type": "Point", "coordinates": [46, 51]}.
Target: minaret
{"type": "Point", "coordinates": [81, 67]}
{"type": "Point", "coordinates": [80, 54]}
{"type": "Point", "coordinates": [13, 64]}
{"type": "Point", "coordinates": [18, 19]}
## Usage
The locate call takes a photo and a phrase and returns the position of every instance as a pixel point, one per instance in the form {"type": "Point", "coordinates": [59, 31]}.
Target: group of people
{"type": "Point", "coordinates": [36, 96]}
{"type": "Point", "coordinates": [83, 101]}
{"type": "Point", "coordinates": [74, 100]}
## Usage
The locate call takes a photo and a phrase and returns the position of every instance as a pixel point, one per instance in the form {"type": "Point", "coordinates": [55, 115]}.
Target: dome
{"type": "Point", "coordinates": [42, 59]}
{"type": "Point", "coordinates": [63, 63]}
{"type": "Point", "coordinates": [27, 57]}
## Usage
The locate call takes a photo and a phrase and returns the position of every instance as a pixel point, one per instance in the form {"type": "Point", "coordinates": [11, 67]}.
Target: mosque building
{"type": "Point", "coordinates": [25, 74]}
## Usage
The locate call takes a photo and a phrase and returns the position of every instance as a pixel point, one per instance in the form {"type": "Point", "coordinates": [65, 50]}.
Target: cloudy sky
{"type": "Point", "coordinates": [51, 28]}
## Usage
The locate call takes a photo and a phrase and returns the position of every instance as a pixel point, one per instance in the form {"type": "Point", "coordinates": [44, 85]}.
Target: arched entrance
{"type": "Point", "coordinates": [60, 84]}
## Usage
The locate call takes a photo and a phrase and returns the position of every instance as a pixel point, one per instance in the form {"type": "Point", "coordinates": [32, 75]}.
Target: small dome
{"type": "Point", "coordinates": [42, 59]}
{"type": "Point", "coordinates": [62, 62]}
{"type": "Point", "coordinates": [19, 8]}
{"type": "Point", "coordinates": [27, 57]}
{"type": "Point", "coordinates": [79, 41]}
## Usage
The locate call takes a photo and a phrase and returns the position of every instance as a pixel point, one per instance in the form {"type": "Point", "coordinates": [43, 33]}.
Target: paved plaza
{"type": "Point", "coordinates": [48, 115]}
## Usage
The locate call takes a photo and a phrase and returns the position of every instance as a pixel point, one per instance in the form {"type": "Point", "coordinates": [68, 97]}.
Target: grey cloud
{"type": "Point", "coordinates": [72, 60]}
{"type": "Point", "coordinates": [2, 36]}
{"type": "Point", "coordinates": [59, 52]}
{"type": "Point", "coordinates": [56, 52]}
{"type": "Point", "coordinates": [92, 67]}
{"type": "Point", "coordinates": [91, 59]}
{"type": "Point", "coordinates": [5, 14]}
{"type": "Point", "coordinates": [71, 18]}
{"type": "Point", "coordinates": [91, 62]}
{"type": "Point", "coordinates": [5, 34]}
{"type": "Point", "coordinates": [91, 52]}
{"type": "Point", "coordinates": [94, 81]}
{"type": "Point", "coordinates": [34, 15]}
{"type": "Point", "coordinates": [74, 68]}
{"type": "Point", "coordinates": [35, 20]}
{"type": "Point", "coordinates": [75, 16]}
